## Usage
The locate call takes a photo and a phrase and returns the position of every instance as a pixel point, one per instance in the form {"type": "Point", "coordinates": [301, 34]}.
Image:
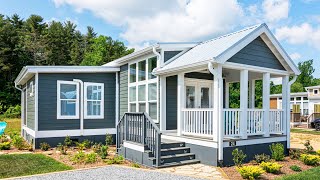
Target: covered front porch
{"type": "Point", "coordinates": [205, 111]}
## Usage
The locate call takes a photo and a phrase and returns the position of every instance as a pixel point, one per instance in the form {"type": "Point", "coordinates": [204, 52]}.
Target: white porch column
{"type": "Point", "coordinates": [285, 101]}
{"type": "Point", "coordinates": [252, 85]}
{"type": "Point", "coordinates": [227, 94]}
{"type": "Point", "coordinates": [163, 84]}
{"type": "Point", "coordinates": [181, 103]}
{"type": "Point", "coordinates": [266, 103]}
{"type": "Point", "coordinates": [243, 103]}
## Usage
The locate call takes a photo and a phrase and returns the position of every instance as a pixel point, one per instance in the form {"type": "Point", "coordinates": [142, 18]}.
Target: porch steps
{"type": "Point", "coordinates": [174, 154]}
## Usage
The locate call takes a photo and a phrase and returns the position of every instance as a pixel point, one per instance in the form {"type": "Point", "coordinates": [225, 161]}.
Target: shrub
{"type": "Point", "coordinates": [80, 146]}
{"type": "Point", "coordinates": [87, 144]}
{"type": "Point", "coordinates": [13, 112]}
{"type": "Point", "coordinates": [277, 151]}
{"type": "Point", "coordinates": [5, 146]}
{"type": "Point", "coordinates": [67, 141]}
{"type": "Point", "coordinates": [90, 158]}
{"type": "Point", "coordinates": [250, 172]}
{"type": "Point", "coordinates": [238, 157]}
{"type": "Point", "coordinates": [96, 147]}
{"type": "Point", "coordinates": [308, 147]}
{"type": "Point", "coordinates": [4, 138]}
{"type": "Point", "coordinates": [135, 165]}
{"type": "Point", "coordinates": [109, 139]}
{"type": "Point", "coordinates": [44, 146]}
{"type": "Point", "coordinates": [12, 134]}
{"type": "Point", "coordinates": [62, 148]}
{"type": "Point", "coordinates": [310, 159]}
{"type": "Point", "coordinates": [116, 160]}
{"type": "Point", "coordinates": [295, 168]}
{"type": "Point", "coordinates": [271, 167]}
{"type": "Point", "coordinates": [318, 152]}
{"type": "Point", "coordinates": [78, 157]}
{"type": "Point", "coordinates": [262, 158]}
{"type": "Point", "coordinates": [18, 142]}
{"type": "Point", "coordinates": [103, 151]}
{"type": "Point", "coordinates": [294, 153]}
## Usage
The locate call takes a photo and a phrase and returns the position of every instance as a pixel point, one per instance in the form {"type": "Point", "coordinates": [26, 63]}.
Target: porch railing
{"type": "Point", "coordinates": [198, 122]}
{"type": "Point", "coordinates": [140, 128]}
{"type": "Point", "coordinates": [231, 122]}
{"type": "Point", "coordinates": [255, 122]}
{"type": "Point", "coordinates": [276, 121]}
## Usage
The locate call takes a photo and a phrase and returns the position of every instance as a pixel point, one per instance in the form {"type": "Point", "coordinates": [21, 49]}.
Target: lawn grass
{"type": "Point", "coordinates": [27, 164]}
{"type": "Point", "coordinates": [305, 131]}
{"type": "Point", "coordinates": [13, 124]}
{"type": "Point", "coordinates": [311, 174]}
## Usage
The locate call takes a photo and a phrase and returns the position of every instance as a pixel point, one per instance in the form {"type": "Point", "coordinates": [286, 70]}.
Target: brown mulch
{"type": "Point", "coordinates": [232, 173]}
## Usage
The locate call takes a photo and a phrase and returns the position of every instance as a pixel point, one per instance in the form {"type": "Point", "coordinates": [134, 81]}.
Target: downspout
{"type": "Point", "coordinates": [220, 130]}
{"type": "Point", "coordinates": [158, 65]}
{"type": "Point", "coordinates": [81, 104]}
{"type": "Point", "coordinates": [288, 109]}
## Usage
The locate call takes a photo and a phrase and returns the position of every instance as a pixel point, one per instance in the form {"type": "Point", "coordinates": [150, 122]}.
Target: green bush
{"type": "Point", "coordinates": [308, 147]}
{"type": "Point", "coordinates": [13, 112]}
{"type": "Point", "coordinates": [250, 172]}
{"type": "Point", "coordinates": [277, 151]}
{"type": "Point", "coordinates": [44, 146]}
{"type": "Point", "coordinates": [90, 158]}
{"type": "Point", "coordinates": [62, 148]}
{"type": "Point", "coordinates": [294, 153]}
{"type": "Point", "coordinates": [318, 152]}
{"type": "Point", "coordinates": [78, 157]}
{"type": "Point", "coordinates": [67, 141]}
{"type": "Point", "coordinates": [109, 139]}
{"type": "Point", "coordinates": [135, 165]}
{"type": "Point", "coordinates": [295, 168]}
{"type": "Point", "coordinates": [18, 142]}
{"type": "Point", "coordinates": [103, 151]}
{"type": "Point", "coordinates": [310, 159]}
{"type": "Point", "coordinates": [238, 157]}
{"type": "Point", "coordinates": [271, 167]}
{"type": "Point", "coordinates": [80, 146]}
{"type": "Point", "coordinates": [5, 146]}
{"type": "Point", "coordinates": [87, 144]}
{"type": "Point", "coordinates": [259, 158]}
{"type": "Point", "coordinates": [116, 160]}
{"type": "Point", "coordinates": [4, 138]}
{"type": "Point", "coordinates": [96, 147]}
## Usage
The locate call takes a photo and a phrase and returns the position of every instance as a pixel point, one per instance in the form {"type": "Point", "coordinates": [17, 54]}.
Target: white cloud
{"type": "Point", "coordinates": [275, 10]}
{"type": "Point", "coordinates": [295, 56]}
{"type": "Point", "coordinates": [300, 34]}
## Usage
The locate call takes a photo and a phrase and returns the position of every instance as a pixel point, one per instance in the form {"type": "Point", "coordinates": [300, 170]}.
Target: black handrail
{"type": "Point", "coordinates": [140, 128]}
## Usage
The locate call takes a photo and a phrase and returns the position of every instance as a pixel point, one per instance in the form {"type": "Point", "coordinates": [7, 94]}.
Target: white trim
{"type": "Point", "coordinates": [237, 66]}
{"type": "Point", "coordinates": [163, 103]}
{"type": "Point", "coordinates": [134, 146]}
{"type": "Point", "coordinates": [85, 86]}
{"type": "Point", "coordinates": [59, 116]}
{"type": "Point", "coordinates": [266, 103]}
{"type": "Point", "coordinates": [29, 131]}
{"type": "Point", "coordinates": [76, 132]}
{"type": "Point", "coordinates": [244, 103]}
{"type": "Point", "coordinates": [256, 141]}
{"type": "Point", "coordinates": [31, 94]}
{"type": "Point", "coordinates": [36, 101]}
{"type": "Point", "coordinates": [180, 103]}
{"type": "Point", "coordinates": [117, 98]}
{"type": "Point", "coordinates": [191, 141]}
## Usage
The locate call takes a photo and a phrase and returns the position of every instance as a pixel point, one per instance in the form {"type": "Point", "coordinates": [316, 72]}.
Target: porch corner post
{"type": "Point", "coordinates": [266, 104]}
{"type": "Point", "coordinates": [181, 103]}
{"type": "Point", "coordinates": [252, 85]}
{"type": "Point", "coordinates": [227, 95]}
{"type": "Point", "coordinates": [285, 104]}
{"type": "Point", "coordinates": [163, 103]}
{"type": "Point", "coordinates": [244, 103]}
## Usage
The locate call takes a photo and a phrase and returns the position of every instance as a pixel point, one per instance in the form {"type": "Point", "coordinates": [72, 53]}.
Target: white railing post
{"type": "Point", "coordinates": [243, 103]}
{"type": "Point", "coordinates": [266, 103]}
{"type": "Point", "coordinates": [181, 103]}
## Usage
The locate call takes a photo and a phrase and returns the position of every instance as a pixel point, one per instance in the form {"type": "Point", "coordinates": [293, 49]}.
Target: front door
{"type": "Point", "coordinates": [198, 93]}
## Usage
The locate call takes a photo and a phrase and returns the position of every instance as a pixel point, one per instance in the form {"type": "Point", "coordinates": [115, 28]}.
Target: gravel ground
{"type": "Point", "coordinates": [109, 172]}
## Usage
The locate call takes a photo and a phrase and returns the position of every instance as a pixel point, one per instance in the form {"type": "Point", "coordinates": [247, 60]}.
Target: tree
{"type": "Point", "coordinates": [306, 69]}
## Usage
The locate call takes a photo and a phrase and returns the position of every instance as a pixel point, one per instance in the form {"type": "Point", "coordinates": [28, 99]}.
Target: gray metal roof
{"type": "Point", "coordinates": [208, 50]}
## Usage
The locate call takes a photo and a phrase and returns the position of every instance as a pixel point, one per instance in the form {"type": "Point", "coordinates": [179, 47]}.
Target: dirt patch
{"type": "Point", "coordinates": [297, 140]}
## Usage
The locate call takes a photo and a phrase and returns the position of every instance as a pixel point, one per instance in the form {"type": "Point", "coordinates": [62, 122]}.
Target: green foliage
{"type": "Point", "coordinates": [18, 142]}
{"type": "Point", "coordinates": [318, 152]}
{"type": "Point", "coordinates": [295, 168]}
{"type": "Point", "coordinates": [5, 145]}
{"type": "Point", "coordinates": [78, 157]}
{"type": "Point", "coordinates": [109, 139]}
{"type": "Point", "coordinates": [294, 153]}
{"type": "Point", "coordinates": [259, 158]}
{"type": "Point", "coordinates": [96, 147]}
{"type": "Point", "coordinates": [87, 144]}
{"type": "Point", "coordinates": [238, 157]}
{"type": "Point", "coordinates": [271, 167]}
{"type": "Point", "coordinates": [13, 112]}
{"type": "Point", "coordinates": [135, 165]}
{"type": "Point", "coordinates": [306, 69]}
{"type": "Point", "coordinates": [250, 172]}
{"type": "Point", "coordinates": [103, 153]}
{"type": "Point", "coordinates": [310, 159]}
{"type": "Point", "coordinates": [67, 141]}
{"type": "Point", "coordinates": [277, 151]}
{"type": "Point", "coordinates": [116, 160]}
{"type": "Point", "coordinates": [90, 158]}
{"type": "Point", "coordinates": [44, 146]}
{"type": "Point", "coordinates": [80, 146]}
{"type": "Point", "coordinates": [62, 148]}
{"type": "Point", "coordinates": [4, 138]}
{"type": "Point", "coordinates": [308, 147]}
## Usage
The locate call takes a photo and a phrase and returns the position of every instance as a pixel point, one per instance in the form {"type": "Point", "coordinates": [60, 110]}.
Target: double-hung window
{"type": "Point", "coordinates": [67, 100]}
{"type": "Point", "coordinates": [143, 87]}
{"type": "Point", "coordinates": [93, 100]}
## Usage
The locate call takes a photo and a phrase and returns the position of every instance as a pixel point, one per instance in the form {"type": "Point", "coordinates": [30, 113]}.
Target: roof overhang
{"type": "Point", "coordinates": [291, 94]}
{"type": "Point", "coordinates": [312, 87]}
{"type": "Point", "coordinates": [28, 71]}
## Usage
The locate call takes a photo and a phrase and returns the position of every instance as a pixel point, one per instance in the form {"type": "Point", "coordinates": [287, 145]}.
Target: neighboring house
{"type": "Point", "coordinates": [182, 92]}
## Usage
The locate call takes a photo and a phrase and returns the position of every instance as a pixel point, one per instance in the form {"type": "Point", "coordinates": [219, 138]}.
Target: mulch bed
{"type": "Point", "coordinates": [232, 173]}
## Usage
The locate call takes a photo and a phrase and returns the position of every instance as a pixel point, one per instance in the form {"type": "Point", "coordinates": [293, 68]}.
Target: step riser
{"type": "Point", "coordinates": [172, 145]}
{"type": "Point", "coordinates": [176, 159]}
{"type": "Point", "coordinates": [173, 152]}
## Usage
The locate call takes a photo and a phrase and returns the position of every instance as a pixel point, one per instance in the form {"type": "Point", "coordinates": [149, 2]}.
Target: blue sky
{"type": "Point", "coordinates": [138, 23]}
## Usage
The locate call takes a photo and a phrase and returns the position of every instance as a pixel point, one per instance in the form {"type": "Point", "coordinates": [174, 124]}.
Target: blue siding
{"type": "Point", "coordinates": [169, 54]}
{"type": "Point", "coordinates": [30, 104]}
{"type": "Point", "coordinates": [171, 102]}
{"type": "Point", "coordinates": [48, 101]}
{"type": "Point", "coordinates": [123, 88]}
{"type": "Point", "coordinates": [257, 53]}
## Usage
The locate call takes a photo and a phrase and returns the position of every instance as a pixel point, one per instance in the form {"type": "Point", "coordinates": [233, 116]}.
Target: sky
{"type": "Point", "coordinates": [139, 23]}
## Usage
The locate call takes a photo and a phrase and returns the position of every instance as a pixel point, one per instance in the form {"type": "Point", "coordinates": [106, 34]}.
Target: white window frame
{"type": "Point", "coordinates": [31, 86]}
{"type": "Point", "coordinates": [86, 116]}
{"type": "Point", "coordinates": [317, 91]}
{"type": "Point", "coordinates": [145, 82]}
{"type": "Point", "coordinates": [59, 116]}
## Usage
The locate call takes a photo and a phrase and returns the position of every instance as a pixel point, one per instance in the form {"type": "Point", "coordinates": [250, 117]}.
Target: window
{"type": "Point", "coordinates": [315, 91]}
{"type": "Point", "coordinates": [143, 87]}
{"type": "Point", "coordinates": [67, 100]}
{"type": "Point", "coordinates": [305, 98]}
{"type": "Point", "coordinates": [93, 100]}
{"type": "Point", "coordinates": [31, 86]}
{"type": "Point", "coordinates": [298, 98]}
